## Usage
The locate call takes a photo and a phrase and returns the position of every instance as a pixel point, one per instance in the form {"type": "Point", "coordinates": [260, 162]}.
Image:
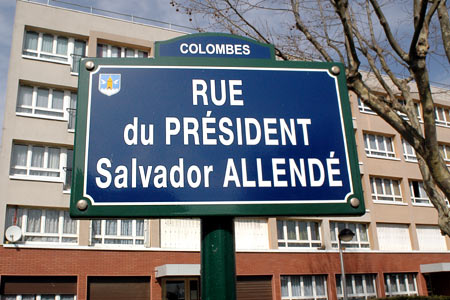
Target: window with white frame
{"type": "Point", "coordinates": [38, 162]}
{"type": "Point", "coordinates": [385, 189]}
{"type": "Point", "coordinates": [445, 152]}
{"type": "Point", "coordinates": [54, 48]}
{"type": "Point", "coordinates": [393, 237]}
{"type": "Point", "coordinates": [39, 297]}
{"type": "Point", "coordinates": [418, 194]}
{"type": "Point", "coordinates": [430, 238]}
{"type": "Point", "coordinates": [105, 50]}
{"type": "Point", "coordinates": [364, 108]}
{"type": "Point", "coordinates": [359, 286]}
{"type": "Point", "coordinates": [41, 225]}
{"type": "Point", "coordinates": [44, 102]}
{"type": "Point", "coordinates": [442, 116]}
{"type": "Point", "coordinates": [360, 239]}
{"type": "Point", "coordinates": [400, 284]}
{"type": "Point", "coordinates": [416, 106]}
{"type": "Point", "coordinates": [118, 232]}
{"type": "Point", "coordinates": [378, 146]}
{"type": "Point", "coordinates": [180, 233]}
{"type": "Point", "coordinates": [408, 152]}
{"type": "Point", "coordinates": [298, 234]}
{"type": "Point", "coordinates": [295, 287]}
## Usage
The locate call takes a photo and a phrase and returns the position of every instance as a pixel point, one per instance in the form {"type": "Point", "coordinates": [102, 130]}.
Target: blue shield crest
{"type": "Point", "coordinates": [109, 84]}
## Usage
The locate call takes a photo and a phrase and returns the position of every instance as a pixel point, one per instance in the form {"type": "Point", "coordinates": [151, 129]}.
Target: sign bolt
{"type": "Point", "coordinates": [335, 70]}
{"type": "Point", "coordinates": [354, 202]}
{"type": "Point", "coordinates": [89, 65]}
{"type": "Point", "coordinates": [82, 205]}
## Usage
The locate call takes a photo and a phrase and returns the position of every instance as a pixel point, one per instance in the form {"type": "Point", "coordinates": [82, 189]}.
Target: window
{"type": "Point", "coordinates": [363, 107]}
{"type": "Point", "coordinates": [38, 162]}
{"type": "Point", "coordinates": [104, 50]}
{"type": "Point", "coordinates": [117, 232]}
{"type": "Point", "coordinates": [300, 234]}
{"type": "Point", "coordinates": [430, 238]}
{"type": "Point", "coordinates": [384, 189]}
{"type": "Point", "coordinates": [359, 286]}
{"type": "Point", "coordinates": [79, 50]}
{"type": "Point", "coordinates": [303, 287]}
{"type": "Point", "coordinates": [180, 234]}
{"type": "Point", "coordinates": [418, 194]}
{"type": "Point", "coordinates": [378, 146]}
{"type": "Point", "coordinates": [54, 48]}
{"type": "Point", "coordinates": [442, 116]}
{"type": "Point", "coordinates": [360, 240]}
{"type": "Point", "coordinates": [394, 237]}
{"type": "Point", "coordinates": [408, 152]}
{"type": "Point", "coordinates": [251, 234]}
{"type": "Point", "coordinates": [416, 106]}
{"type": "Point", "coordinates": [445, 152]}
{"type": "Point", "coordinates": [39, 297]}
{"type": "Point", "coordinates": [43, 225]}
{"type": "Point", "coordinates": [68, 171]}
{"type": "Point", "coordinates": [72, 110]}
{"type": "Point", "coordinates": [400, 284]}
{"type": "Point", "coordinates": [45, 102]}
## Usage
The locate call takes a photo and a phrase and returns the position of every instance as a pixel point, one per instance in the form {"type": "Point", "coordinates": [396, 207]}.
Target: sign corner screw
{"type": "Point", "coordinates": [335, 70]}
{"type": "Point", "coordinates": [89, 65]}
{"type": "Point", "coordinates": [82, 205]}
{"type": "Point", "coordinates": [354, 202]}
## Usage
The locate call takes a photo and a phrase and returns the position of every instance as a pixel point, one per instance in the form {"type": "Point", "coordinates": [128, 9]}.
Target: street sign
{"type": "Point", "coordinates": [197, 137]}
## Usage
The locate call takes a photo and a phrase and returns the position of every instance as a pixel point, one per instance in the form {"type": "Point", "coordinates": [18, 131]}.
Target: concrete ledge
{"type": "Point", "coordinates": [435, 268]}
{"type": "Point", "coordinates": [177, 270]}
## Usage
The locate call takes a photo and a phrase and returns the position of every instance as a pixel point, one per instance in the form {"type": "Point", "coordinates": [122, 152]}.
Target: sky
{"type": "Point", "coordinates": [160, 10]}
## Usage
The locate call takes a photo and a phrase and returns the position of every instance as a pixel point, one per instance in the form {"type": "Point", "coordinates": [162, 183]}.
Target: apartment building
{"type": "Point", "coordinates": [397, 248]}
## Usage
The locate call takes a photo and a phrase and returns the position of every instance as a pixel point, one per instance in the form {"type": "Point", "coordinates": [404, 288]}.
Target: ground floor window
{"type": "Point", "coordinates": [359, 286]}
{"type": "Point", "coordinates": [181, 288]}
{"type": "Point", "coordinates": [400, 284]}
{"type": "Point", "coordinates": [39, 297]}
{"type": "Point", "coordinates": [38, 288]}
{"type": "Point", "coordinates": [303, 287]}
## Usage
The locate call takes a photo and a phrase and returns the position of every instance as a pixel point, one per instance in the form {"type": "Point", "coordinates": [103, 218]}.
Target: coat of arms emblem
{"type": "Point", "coordinates": [109, 84]}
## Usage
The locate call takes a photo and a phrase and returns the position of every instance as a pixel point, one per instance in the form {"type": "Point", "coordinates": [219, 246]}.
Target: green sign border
{"type": "Point", "coordinates": [143, 211]}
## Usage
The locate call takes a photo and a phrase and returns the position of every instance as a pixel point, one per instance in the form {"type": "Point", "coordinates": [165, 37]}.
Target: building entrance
{"type": "Point", "coordinates": [181, 288]}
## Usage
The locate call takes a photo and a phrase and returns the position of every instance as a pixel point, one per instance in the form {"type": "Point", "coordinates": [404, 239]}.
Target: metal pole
{"type": "Point", "coordinates": [343, 279]}
{"type": "Point", "coordinates": [218, 265]}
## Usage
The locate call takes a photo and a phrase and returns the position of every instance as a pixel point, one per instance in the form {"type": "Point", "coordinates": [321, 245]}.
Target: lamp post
{"type": "Point", "coordinates": [345, 235]}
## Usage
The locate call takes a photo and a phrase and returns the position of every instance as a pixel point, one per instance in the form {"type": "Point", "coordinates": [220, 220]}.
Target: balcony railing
{"type": "Point", "coordinates": [116, 15]}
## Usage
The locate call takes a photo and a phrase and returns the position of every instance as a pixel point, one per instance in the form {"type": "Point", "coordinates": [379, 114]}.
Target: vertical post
{"type": "Point", "coordinates": [343, 279]}
{"type": "Point", "coordinates": [218, 263]}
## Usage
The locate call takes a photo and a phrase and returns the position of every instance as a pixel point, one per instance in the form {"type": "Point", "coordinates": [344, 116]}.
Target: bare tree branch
{"type": "Point", "coordinates": [390, 37]}
{"type": "Point", "coordinates": [445, 27]}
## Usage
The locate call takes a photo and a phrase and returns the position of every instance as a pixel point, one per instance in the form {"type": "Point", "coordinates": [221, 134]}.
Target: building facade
{"type": "Point", "coordinates": [397, 248]}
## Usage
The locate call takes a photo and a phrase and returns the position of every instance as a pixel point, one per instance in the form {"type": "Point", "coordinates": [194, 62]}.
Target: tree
{"type": "Point", "coordinates": [370, 44]}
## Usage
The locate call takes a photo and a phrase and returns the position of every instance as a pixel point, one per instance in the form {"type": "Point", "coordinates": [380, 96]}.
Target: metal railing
{"type": "Point", "coordinates": [112, 14]}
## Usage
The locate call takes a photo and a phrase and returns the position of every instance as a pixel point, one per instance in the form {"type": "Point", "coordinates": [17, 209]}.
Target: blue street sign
{"type": "Point", "coordinates": [196, 135]}
{"type": "Point", "coordinates": [242, 135]}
